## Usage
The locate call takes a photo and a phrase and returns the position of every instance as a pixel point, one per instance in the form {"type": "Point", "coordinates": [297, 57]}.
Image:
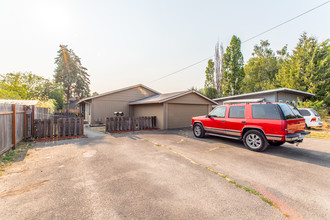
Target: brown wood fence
{"type": "Point", "coordinates": [60, 127]}
{"type": "Point", "coordinates": [114, 124]}
{"type": "Point", "coordinates": [13, 125]}
{"type": "Point", "coordinates": [17, 123]}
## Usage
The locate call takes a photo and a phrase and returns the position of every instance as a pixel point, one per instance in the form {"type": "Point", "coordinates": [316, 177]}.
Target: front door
{"type": "Point", "coordinates": [215, 123]}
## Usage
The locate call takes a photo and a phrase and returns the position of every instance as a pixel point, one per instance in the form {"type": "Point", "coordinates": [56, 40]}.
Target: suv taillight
{"type": "Point", "coordinates": [313, 119]}
{"type": "Point", "coordinates": [284, 126]}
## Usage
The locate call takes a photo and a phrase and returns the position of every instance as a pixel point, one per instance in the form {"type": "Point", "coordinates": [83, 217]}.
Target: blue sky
{"type": "Point", "coordinates": [123, 43]}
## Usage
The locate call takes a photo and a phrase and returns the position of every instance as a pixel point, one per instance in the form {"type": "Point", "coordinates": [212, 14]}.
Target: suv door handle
{"type": "Point", "coordinates": [223, 120]}
{"type": "Point", "coordinates": [243, 122]}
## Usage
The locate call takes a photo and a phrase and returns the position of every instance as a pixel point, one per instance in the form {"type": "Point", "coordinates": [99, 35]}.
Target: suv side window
{"type": "Point", "coordinates": [237, 112]}
{"type": "Point", "coordinates": [219, 112]}
{"type": "Point", "coordinates": [265, 111]}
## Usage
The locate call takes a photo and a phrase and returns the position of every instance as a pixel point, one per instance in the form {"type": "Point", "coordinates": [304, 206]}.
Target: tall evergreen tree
{"type": "Point", "coordinates": [71, 74]}
{"type": "Point", "coordinates": [233, 68]}
{"type": "Point", "coordinates": [307, 68]}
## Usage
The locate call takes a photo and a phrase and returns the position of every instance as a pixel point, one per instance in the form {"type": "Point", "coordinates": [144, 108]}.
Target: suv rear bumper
{"type": "Point", "coordinates": [296, 137]}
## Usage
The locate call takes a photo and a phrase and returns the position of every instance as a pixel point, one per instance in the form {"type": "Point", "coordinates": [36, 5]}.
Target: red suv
{"type": "Point", "coordinates": [258, 124]}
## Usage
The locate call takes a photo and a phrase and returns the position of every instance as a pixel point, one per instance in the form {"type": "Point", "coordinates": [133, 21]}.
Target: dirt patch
{"type": "Point", "coordinates": [26, 188]}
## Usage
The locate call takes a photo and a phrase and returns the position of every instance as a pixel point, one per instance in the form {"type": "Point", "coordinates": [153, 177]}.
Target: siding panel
{"type": "Point", "coordinates": [150, 110]}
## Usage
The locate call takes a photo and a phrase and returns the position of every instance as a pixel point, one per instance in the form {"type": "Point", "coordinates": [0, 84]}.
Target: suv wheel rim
{"type": "Point", "coordinates": [197, 130]}
{"type": "Point", "coordinates": [253, 141]}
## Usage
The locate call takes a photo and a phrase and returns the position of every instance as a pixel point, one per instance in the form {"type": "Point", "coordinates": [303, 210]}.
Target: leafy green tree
{"type": "Point", "coordinates": [233, 65]}
{"type": "Point", "coordinates": [261, 69]}
{"type": "Point", "coordinates": [71, 74]}
{"type": "Point", "coordinates": [24, 86]}
{"type": "Point", "coordinates": [209, 81]}
{"type": "Point", "coordinates": [211, 92]}
{"type": "Point", "coordinates": [307, 68]}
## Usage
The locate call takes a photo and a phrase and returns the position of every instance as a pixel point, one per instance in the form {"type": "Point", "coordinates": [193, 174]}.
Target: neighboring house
{"type": "Point", "coordinates": [172, 110]}
{"type": "Point", "coordinates": [97, 108]}
{"type": "Point", "coordinates": [274, 95]}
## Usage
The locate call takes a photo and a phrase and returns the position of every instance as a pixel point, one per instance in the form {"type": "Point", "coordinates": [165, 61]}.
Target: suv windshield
{"type": "Point", "coordinates": [289, 111]}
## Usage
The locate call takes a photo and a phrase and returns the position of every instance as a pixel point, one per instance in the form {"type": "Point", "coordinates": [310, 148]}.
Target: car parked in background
{"type": "Point", "coordinates": [312, 118]}
{"type": "Point", "coordinates": [257, 124]}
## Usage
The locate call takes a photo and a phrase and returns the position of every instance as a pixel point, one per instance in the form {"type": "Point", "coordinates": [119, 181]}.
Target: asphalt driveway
{"type": "Point", "coordinates": [167, 175]}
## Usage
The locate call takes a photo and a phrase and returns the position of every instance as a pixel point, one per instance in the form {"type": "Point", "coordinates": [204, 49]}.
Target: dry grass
{"type": "Point", "coordinates": [321, 132]}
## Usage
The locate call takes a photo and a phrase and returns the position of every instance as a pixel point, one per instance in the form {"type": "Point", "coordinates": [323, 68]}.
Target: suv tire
{"type": "Point", "coordinates": [255, 140]}
{"type": "Point", "coordinates": [198, 130]}
{"type": "Point", "coordinates": [276, 143]}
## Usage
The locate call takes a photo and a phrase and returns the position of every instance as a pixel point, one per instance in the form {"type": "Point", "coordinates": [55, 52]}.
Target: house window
{"type": "Point", "coordinates": [89, 109]}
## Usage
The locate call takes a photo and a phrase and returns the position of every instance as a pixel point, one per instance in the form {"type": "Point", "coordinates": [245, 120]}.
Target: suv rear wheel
{"type": "Point", "coordinates": [255, 140]}
{"type": "Point", "coordinates": [198, 130]}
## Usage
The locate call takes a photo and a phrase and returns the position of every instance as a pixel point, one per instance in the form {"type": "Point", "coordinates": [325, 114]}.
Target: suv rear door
{"type": "Point", "coordinates": [235, 120]}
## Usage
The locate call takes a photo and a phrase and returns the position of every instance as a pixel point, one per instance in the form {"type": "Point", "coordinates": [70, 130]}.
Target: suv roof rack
{"type": "Point", "coordinates": [245, 101]}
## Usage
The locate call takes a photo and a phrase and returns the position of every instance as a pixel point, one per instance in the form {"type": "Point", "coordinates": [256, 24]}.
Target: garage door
{"type": "Point", "coordinates": [179, 115]}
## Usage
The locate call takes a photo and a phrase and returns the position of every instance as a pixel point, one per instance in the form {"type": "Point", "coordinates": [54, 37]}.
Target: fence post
{"type": "Point", "coordinates": [82, 125]}
{"type": "Point", "coordinates": [32, 120]}
{"type": "Point", "coordinates": [24, 122]}
{"type": "Point", "coordinates": [13, 106]}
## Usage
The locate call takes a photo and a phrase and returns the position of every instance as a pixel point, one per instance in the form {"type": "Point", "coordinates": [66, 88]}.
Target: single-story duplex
{"type": "Point", "coordinates": [274, 95]}
{"type": "Point", "coordinates": [172, 110]}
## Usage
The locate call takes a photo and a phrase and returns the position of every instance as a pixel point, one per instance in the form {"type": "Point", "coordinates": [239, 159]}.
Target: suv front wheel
{"type": "Point", "coordinates": [255, 140]}
{"type": "Point", "coordinates": [198, 130]}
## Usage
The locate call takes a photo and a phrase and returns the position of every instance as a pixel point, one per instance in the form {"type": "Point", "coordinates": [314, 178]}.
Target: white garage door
{"type": "Point", "coordinates": [179, 115]}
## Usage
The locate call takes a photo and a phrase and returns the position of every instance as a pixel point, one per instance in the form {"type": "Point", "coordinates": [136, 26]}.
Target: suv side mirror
{"type": "Point", "coordinates": [208, 116]}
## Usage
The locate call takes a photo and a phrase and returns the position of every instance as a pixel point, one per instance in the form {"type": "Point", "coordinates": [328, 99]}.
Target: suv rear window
{"type": "Point", "coordinates": [304, 112]}
{"type": "Point", "coordinates": [289, 111]}
{"type": "Point", "coordinates": [265, 111]}
{"type": "Point", "coordinates": [237, 112]}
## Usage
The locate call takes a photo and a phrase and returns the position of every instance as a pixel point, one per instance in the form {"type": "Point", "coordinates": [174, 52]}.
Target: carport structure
{"type": "Point", "coordinates": [173, 110]}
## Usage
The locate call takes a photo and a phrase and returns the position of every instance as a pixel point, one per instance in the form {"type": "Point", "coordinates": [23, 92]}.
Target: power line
{"type": "Point", "coordinates": [270, 29]}
{"type": "Point", "coordinates": [181, 69]}
{"type": "Point", "coordinates": [286, 22]}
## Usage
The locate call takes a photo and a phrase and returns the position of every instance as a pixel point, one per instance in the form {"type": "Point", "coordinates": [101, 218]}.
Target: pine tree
{"type": "Point", "coordinates": [71, 74]}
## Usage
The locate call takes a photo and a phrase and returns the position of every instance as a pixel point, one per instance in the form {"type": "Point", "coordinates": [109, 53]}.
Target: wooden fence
{"type": "Point", "coordinates": [17, 123]}
{"type": "Point", "coordinates": [58, 127]}
{"type": "Point", "coordinates": [115, 124]}
{"type": "Point", "coordinates": [12, 125]}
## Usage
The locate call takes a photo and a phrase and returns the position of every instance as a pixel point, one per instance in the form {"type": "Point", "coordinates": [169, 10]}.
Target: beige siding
{"type": "Point", "coordinates": [191, 98]}
{"type": "Point", "coordinates": [150, 110]}
{"type": "Point", "coordinates": [88, 115]}
{"type": "Point", "coordinates": [105, 106]}
{"type": "Point", "coordinates": [179, 115]}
